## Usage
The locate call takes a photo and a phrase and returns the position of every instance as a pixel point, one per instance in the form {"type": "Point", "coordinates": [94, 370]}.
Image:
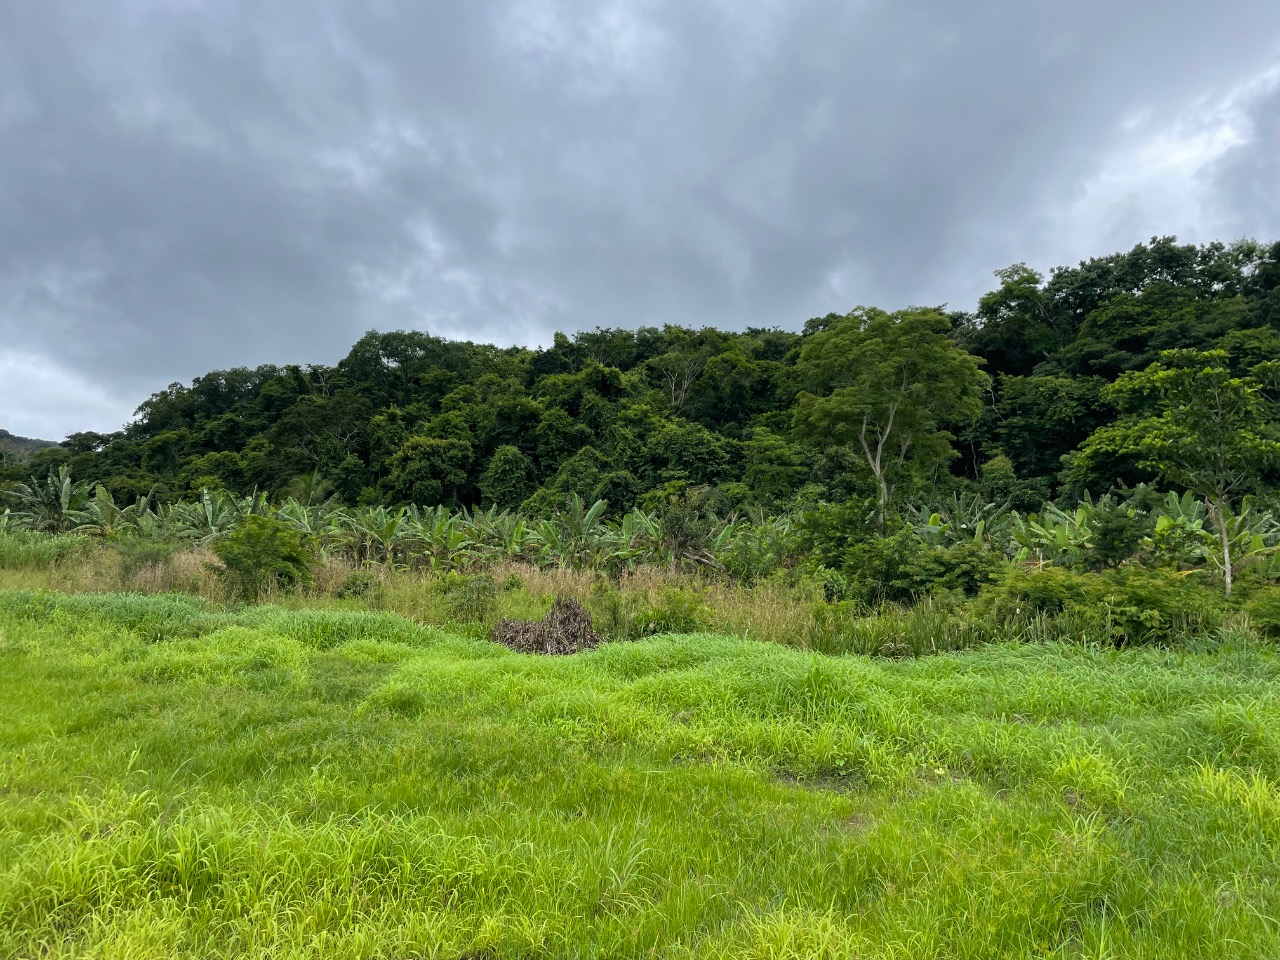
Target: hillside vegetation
{"type": "Point", "coordinates": [1122, 415]}
{"type": "Point", "coordinates": [895, 407]}
{"type": "Point", "coordinates": [14, 448]}
{"type": "Point", "coordinates": [180, 780]}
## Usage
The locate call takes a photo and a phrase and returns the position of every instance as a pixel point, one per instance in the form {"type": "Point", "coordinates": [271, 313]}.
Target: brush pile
{"type": "Point", "coordinates": [565, 629]}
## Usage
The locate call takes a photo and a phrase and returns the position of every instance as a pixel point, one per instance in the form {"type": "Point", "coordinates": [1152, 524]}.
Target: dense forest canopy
{"type": "Point", "coordinates": [890, 407]}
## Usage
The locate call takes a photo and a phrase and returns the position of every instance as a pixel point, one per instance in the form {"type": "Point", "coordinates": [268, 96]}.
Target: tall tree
{"type": "Point", "coordinates": [1197, 425]}
{"type": "Point", "coordinates": [889, 384]}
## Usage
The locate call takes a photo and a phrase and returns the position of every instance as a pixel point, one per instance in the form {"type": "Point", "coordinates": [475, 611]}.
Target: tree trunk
{"type": "Point", "coordinates": [1219, 510]}
{"type": "Point", "coordinates": [884, 504]}
{"type": "Point", "coordinates": [1226, 557]}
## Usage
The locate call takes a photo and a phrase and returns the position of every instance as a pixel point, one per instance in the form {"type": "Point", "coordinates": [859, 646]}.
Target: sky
{"type": "Point", "coordinates": [188, 185]}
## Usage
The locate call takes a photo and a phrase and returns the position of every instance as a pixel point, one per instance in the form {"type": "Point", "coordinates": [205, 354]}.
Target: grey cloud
{"type": "Point", "coordinates": [1248, 176]}
{"type": "Point", "coordinates": [186, 185]}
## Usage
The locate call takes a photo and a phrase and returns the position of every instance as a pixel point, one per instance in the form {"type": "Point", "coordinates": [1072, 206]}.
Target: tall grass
{"type": "Point", "coordinates": [23, 550]}
{"type": "Point", "coordinates": [185, 779]}
{"type": "Point", "coordinates": [641, 603]}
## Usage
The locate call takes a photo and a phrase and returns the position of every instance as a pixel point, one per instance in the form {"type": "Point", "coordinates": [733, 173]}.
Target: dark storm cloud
{"type": "Point", "coordinates": [189, 185]}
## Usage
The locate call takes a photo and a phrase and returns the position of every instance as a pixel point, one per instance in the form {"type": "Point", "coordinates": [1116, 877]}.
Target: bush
{"type": "Point", "coordinates": [467, 599]}
{"type": "Point", "coordinates": [1024, 593]}
{"type": "Point", "coordinates": [676, 611]}
{"type": "Point", "coordinates": [1263, 607]}
{"type": "Point", "coordinates": [903, 568]}
{"type": "Point", "coordinates": [1128, 605]}
{"type": "Point", "coordinates": [363, 585]}
{"type": "Point", "coordinates": [1153, 605]}
{"type": "Point", "coordinates": [139, 553]}
{"type": "Point", "coordinates": [264, 552]}
{"type": "Point", "coordinates": [621, 615]}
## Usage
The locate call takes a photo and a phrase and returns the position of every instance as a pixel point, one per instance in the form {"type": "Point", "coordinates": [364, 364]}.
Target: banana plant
{"type": "Point", "coordinates": [55, 506]}
{"type": "Point", "coordinates": [964, 520]}
{"type": "Point", "coordinates": [376, 534]}
{"type": "Point", "coordinates": [103, 518]}
{"type": "Point", "coordinates": [440, 536]}
{"type": "Point", "coordinates": [1254, 538]}
{"type": "Point", "coordinates": [499, 536]}
{"type": "Point", "coordinates": [575, 537]}
{"type": "Point", "coordinates": [1054, 536]}
{"type": "Point", "coordinates": [214, 516]}
{"type": "Point", "coordinates": [321, 524]}
{"type": "Point", "coordinates": [1180, 535]}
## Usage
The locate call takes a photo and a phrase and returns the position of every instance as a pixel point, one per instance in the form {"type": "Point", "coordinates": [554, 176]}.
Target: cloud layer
{"type": "Point", "coordinates": [187, 185]}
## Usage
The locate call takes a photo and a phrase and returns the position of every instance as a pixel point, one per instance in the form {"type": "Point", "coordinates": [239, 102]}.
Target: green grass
{"type": "Point", "coordinates": [24, 550]}
{"type": "Point", "coordinates": [180, 781]}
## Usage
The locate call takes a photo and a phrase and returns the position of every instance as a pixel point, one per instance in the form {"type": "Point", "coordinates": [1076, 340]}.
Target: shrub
{"type": "Point", "coordinates": [903, 568]}
{"type": "Point", "coordinates": [264, 552]}
{"type": "Point", "coordinates": [1263, 607]}
{"type": "Point", "coordinates": [139, 553]}
{"type": "Point", "coordinates": [467, 598]}
{"type": "Point", "coordinates": [1128, 605]}
{"type": "Point", "coordinates": [1153, 605]}
{"type": "Point", "coordinates": [676, 611]}
{"type": "Point", "coordinates": [623, 615]}
{"type": "Point", "coordinates": [363, 585]}
{"type": "Point", "coordinates": [1029, 593]}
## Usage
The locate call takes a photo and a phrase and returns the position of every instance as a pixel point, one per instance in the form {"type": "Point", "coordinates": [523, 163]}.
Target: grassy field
{"type": "Point", "coordinates": [175, 780]}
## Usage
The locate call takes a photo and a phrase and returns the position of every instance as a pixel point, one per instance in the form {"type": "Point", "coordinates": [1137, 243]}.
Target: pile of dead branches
{"type": "Point", "coordinates": [565, 629]}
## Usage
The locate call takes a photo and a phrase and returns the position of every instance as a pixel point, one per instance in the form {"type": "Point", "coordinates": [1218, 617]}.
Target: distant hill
{"type": "Point", "coordinates": [21, 446]}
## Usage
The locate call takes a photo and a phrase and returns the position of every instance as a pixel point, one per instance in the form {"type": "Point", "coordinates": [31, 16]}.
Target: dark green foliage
{"type": "Point", "coordinates": [771, 420]}
{"type": "Point", "coordinates": [262, 552]}
{"type": "Point", "coordinates": [1119, 530]}
{"type": "Point", "coordinates": [430, 470]}
{"type": "Point", "coordinates": [1000, 483]}
{"type": "Point", "coordinates": [508, 479]}
{"type": "Point", "coordinates": [1263, 606]}
{"type": "Point", "coordinates": [1130, 604]}
{"type": "Point", "coordinates": [902, 568]}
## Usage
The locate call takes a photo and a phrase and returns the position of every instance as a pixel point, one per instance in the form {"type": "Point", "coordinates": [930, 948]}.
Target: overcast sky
{"type": "Point", "coordinates": [190, 185]}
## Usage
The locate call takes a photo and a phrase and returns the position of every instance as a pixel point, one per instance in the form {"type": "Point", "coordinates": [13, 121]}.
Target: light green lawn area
{"type": "Point", "coordinates": [183, 782]}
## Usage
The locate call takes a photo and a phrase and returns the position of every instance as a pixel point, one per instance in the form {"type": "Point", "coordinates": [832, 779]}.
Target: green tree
{"type": "Point", "coordinates": [775, 469]}
{"type": "Point", "coordinates": [888, 385]}
{"type": "Point", "coordinates": [1038, 420]}
{"type": "Point", "coordinates": [1190, 420]}
{"type": "Point", "coordinates": [508, 479]}
{"type": "Point", "coordinates": [429, 471]}
{"type": "Point", "coordinates": [263, 551]}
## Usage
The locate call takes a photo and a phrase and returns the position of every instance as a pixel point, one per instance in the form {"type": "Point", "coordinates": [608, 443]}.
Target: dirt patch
{"type": "Point", "coordinates": [565, 629]}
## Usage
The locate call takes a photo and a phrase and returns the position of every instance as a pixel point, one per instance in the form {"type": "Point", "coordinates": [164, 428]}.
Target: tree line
{"type": "Point", "coordinates": [1157, 365]}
